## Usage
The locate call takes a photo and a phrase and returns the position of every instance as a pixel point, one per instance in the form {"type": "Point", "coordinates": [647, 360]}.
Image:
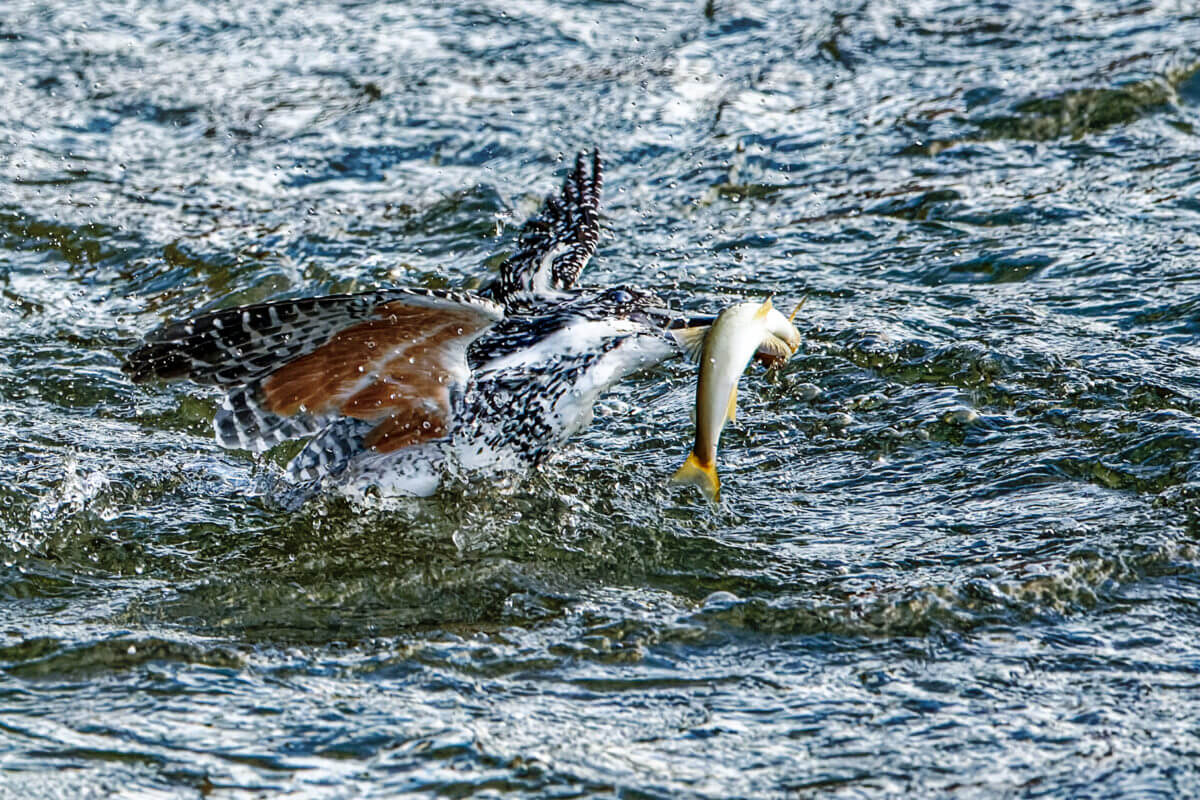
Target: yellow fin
{"type": "Point", "coordinates": [764, 309]}
{"type": "Point", "coordinates": [731, 409]}
{"type": "Point", "coordinates": [796, 310]}
{"type": "Point", "coordinates": [693, 473]}
{"type": "Point", "coordinates": [691, 340]}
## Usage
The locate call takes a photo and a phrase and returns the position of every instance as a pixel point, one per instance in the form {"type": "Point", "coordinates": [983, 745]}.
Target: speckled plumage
{"type": "Point", "coordinates": [556, 244]}
{"type": "Point", "coordinates": [521, 377]}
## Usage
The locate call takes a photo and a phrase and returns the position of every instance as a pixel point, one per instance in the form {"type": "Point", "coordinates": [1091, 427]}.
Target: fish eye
{"type": "Point", "coordinates": [622, 296]}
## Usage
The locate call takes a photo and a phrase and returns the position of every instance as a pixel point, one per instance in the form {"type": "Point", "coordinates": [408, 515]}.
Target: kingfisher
{"type": "Point", "coordinates": [395, 387]}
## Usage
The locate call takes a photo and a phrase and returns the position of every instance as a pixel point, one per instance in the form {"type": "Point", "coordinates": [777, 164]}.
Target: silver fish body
{"type": "Point", "coordinates": [739, 333]}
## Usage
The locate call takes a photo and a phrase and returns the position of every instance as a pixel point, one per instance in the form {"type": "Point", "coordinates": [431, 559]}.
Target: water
{"type": "Point", "coordinates": [958, 551]}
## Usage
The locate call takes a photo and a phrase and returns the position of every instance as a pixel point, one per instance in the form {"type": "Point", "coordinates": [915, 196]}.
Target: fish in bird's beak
{"type": "Point", "coordinates": [739, 333]}
{"type": "Point", "coordinates": [779, 344]}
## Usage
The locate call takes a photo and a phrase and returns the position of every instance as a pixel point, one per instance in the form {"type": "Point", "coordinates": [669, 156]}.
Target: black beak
{"type": "Point", "coordinates": [654, 317]}
{"type": "Point", "coordinates": [684, 321]}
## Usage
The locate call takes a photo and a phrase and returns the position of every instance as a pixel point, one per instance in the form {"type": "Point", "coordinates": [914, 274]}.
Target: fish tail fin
{"type": "Point", "coordinates": [764, 309]}
{"type": "Point", "coordinates": [702, 476]}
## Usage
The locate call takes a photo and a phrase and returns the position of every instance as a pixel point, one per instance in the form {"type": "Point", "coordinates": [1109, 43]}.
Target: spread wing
{"type": "Point", "coordinates": [390, 359]}
{"type": "Point", "coordinates": [555, 245]}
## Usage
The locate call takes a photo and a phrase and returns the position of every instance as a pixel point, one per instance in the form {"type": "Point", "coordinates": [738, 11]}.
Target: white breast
{"type": "Point", "coordinates": [573, 411]}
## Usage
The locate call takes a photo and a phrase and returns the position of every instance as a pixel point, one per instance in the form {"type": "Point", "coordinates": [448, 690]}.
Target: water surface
{"type": "Point", "coordinates": [958, 551]}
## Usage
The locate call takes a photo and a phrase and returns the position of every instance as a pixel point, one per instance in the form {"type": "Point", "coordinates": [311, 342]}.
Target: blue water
{"type": "Point", "coordinates": [959, 549]}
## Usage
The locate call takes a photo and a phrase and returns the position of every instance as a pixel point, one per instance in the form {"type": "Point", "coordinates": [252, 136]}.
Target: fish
{"type": "Point", "coordinates": [724, 349]}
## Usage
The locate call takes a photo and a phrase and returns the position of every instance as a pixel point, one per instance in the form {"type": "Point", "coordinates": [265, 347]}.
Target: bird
{"type": "Point", "coordinates": [395, 387]}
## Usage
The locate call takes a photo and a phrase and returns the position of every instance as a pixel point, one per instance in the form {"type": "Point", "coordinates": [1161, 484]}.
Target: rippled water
{"type": "Point", "coordinates": [958, 552]}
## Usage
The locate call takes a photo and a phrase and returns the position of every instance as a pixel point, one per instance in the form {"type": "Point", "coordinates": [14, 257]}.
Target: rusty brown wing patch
{"type": "Point", "coordinates": [396, 370]}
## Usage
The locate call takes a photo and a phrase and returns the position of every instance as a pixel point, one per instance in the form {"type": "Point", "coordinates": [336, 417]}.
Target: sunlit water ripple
{"type": "Point", "coordinates": [957, 553]}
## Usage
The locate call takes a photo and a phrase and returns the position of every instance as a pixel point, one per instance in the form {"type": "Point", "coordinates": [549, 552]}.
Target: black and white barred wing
{"type": "Point", "coordinates": [390, 359]}
{"type": "Point", "coordinates": [555, 245]}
